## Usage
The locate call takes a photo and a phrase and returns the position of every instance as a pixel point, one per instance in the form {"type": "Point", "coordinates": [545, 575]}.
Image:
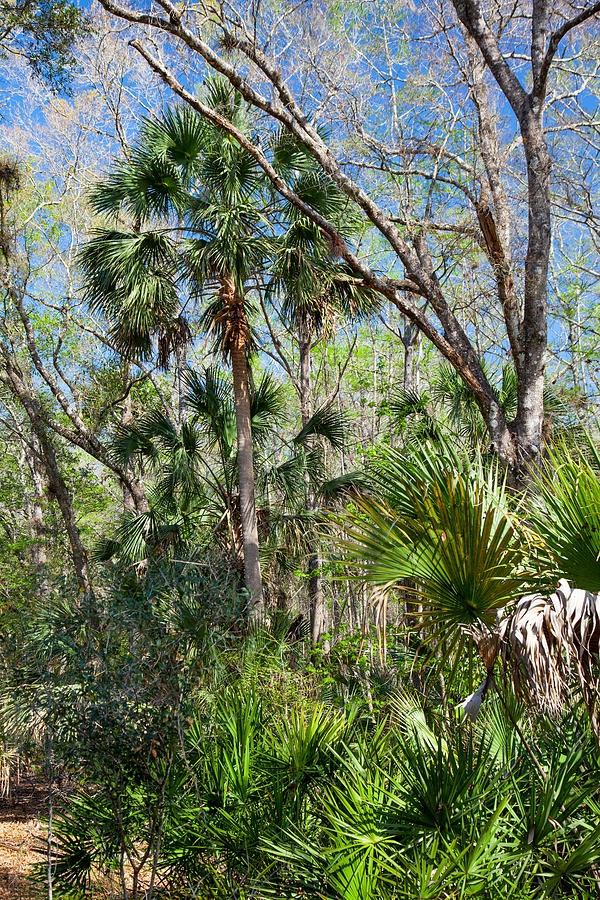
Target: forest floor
{"type": "Point", "coordinates": [21, 831]}
{"type": "Point", "coordinates": [22, 835]}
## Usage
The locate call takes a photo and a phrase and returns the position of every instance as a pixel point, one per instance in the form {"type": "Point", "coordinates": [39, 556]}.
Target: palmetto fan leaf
{"type": "Point", "coordinates": [568, 516]}
{"type": "Point", "coordinates": [180, 137]}
{"type": "Point", "coordinates": [428, 464]}
{"type": "Point", "coordinates": [449, 389]}
{"type": "Point", "coordinates": [289, 156]}
{"type": "Point", "coordinates": [232, 172]}
{"type": "Point", "coordinates": [327, 423]}
{"type": "Point", "coordinates": [441, 525]}
{"type": "Point", "coordinates": [267, 408]}
{"type": "Point", "coordinates": [145, 186]}
{"type": "Point", "coordinates": [465, 563]}
{"type": "Point", "coordinates": [342, 485]}
{"type": "Point", "coordinates": [410, 410]}
{"type": "Point", "coordinates": [131, 442]}
{"type": "Point", "coordinates": [319, 191]}
{"type": "Point", "coordinates": [210, 399]}
{"type": "Point", "coordinates": [132, 280]}
{"type": "Point", "coordinates": [226, 245]}
{"type": "Point", "coordinates": [287, 478]}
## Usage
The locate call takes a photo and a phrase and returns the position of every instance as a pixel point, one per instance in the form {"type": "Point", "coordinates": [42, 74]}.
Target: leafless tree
{"type": "Point", "coordinates": [281, 63]}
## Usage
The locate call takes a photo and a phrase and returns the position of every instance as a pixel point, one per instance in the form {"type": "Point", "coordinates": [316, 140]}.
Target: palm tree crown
{"type": "Point", "coordinates": [194, 199]}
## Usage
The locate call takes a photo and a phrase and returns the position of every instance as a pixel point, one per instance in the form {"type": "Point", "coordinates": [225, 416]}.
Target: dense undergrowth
{"type": "Point", "coordinates": [216, 762]}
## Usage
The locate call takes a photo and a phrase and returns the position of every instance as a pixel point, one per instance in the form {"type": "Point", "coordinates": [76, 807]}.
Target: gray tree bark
{"type": "Point", "coordinates": [517, 442]}
{"type": "Point", "coordinates": [318, 618]}
{"type": "Point", "coordinates": [236, 347]}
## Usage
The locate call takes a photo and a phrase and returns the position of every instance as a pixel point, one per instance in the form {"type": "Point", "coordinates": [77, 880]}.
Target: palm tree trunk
{"type": "Point", "coordinates": [241, 393]}
{"type": "Point", "coordinates": [318, 624]}
{"type": "Point", "coordinates": [180, 372]}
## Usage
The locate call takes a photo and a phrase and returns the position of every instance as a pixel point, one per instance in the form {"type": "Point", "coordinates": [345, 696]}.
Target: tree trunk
{"type": "Point", "coordinates": [64, 499]}
{"type": "Point", "coordinates": [245, 458]}
{"type": "Point", "coordinates": [56, 483]}
{"type": "Point", "coordinates": [181, 367]}
{"type": "Point", "coordinates": [39, 556]}
{"type": "Point", "coordinates": [129, 504]}
{"type": "Point", "coordinates": [530, 402]}
{"type": "Point", "coordinates": [318, 621]}
{"type": "Point", "coordinates": [410, 340]}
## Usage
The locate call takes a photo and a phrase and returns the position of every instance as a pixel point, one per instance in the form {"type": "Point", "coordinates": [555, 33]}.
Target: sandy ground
{"type": "Point", "coordinates": [20, 832]}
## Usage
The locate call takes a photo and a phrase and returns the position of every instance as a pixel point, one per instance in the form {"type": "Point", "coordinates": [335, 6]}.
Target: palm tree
{"type": "Point", "coordinates": [285, 476]}
{"type": "Point", "coordinates": [192, 472]}
{"type": "Point", "coordinates": [486, 574]}
{"type": "Point", "coordinates": [314, 287]}
{"type": "Point", "coordinates": [194, 197]}
{"type": "Point", "coordinates": [448, 408]}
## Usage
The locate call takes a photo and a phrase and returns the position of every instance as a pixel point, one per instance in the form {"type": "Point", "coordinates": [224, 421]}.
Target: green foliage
{"type": "Point", "coordinates": [567, 516]}
{"type": "Point", "coordinates": [46, 33]}
{"type": "Point", "coordinates": [440, 520]}
{"type": "Point", "coordinates": [216, 745]}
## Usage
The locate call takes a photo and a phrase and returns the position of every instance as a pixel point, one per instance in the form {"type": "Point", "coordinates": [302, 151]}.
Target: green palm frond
{"type": "Point", "coordinates": [411, 411]}
{"type": "Point", "coordinates": [287, 478]}
{"type": "Point", "coordinates": [403, 403]}
{"type": "Point", "coordinates": [267, 407]}
{"type": "Point", "coordinates": [225, 246]}
{"type": "Point", "coordinates": [342, 485]}
{"type": "Point", "coordinates": [145, 187]}
{"type": "Point", "coordinates": [130, 442]}
{"type": "Point", "coordinates": [225, 100]}
{"type": "Point", "coordinates": [327, 423]}
{"type": "Point", "coordinates": [449, 390]}
{"type": "Point", "coordinates": [132, 280]}
{"type": "Point", "coordinates": [180, 137]}
{"type": "Point", "coordinates": [319, 191]}
{"type": "Point", "coordinates": [289, 156]}
{"type": "Point", "coordinates": [567, 516]}
{"type": "Point", "coordinates": [445, 527]}
{"type": "Point", "coordinates": [210, 398]}
{"type": "Point", "coordinates": [136, 534]}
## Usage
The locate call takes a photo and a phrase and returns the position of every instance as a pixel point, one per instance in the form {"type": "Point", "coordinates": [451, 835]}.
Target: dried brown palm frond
{"type": "Point", "coordinates": [10, 175]}
{"type": "Point", "coordinates": [488, 647]}
{"type": "Point", "coordinates": [541, 641]}
{"type": "Point", "coordinates": [582, 612]}
{"type": "Point", "coordinates": [171, 337]}
{"type": "Point", "coordinates": [379, 601]}
{"type": "Point", "coordinates": [232, 318]}
{"type": "Point", "coordinates": [536, 649]}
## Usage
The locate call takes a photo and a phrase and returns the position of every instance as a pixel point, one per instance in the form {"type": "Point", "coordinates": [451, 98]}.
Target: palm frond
{"type": "Point", "coordinates": [444, 527]}
{"type": "Point", "coordinates": [210, 398]}
{"type": "Point", "coordinates": [145, 187]}
{"type": "Point", "coordinates": [342, 486]}
{"type": "Point", "coordinates": [180, 137]}
{"type": "Point", "coordinates": [289, 156]}
{"type": "Point", "coordinates": [328, 423]}
{"type": "Point", "coordinates": [567, 516]}
{"type": "Point", "coordinates": [267, 406]}
{"type": "Point", "coordinates": [287, 478]}
{"type": "Point", "coordinates": [533, 644]}
{"type": "Point", "coordinates": [132, 279]}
